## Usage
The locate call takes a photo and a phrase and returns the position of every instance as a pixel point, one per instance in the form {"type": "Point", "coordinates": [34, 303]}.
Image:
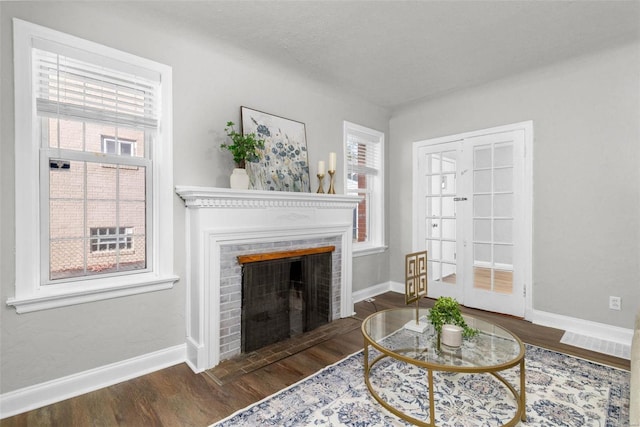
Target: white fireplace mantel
{"type": "Point", "coordinates": [218, 218]}
{"type": "Point", "coordinates": [210, 197]}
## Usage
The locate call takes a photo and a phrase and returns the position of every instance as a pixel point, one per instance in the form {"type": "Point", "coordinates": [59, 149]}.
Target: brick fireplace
{"type": "Point", "coordinates": [223, 224]}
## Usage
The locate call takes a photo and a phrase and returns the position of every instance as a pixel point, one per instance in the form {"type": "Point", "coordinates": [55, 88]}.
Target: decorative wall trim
{"type": "Point", "coordinates": [131, 285]}
{"type": "Point", "coordinates": [37, 396]}
{"type": "Point", "coordinates": [209, 197]}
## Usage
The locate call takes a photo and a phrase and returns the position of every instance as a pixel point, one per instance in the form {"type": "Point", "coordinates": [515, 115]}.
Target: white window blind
{"type": "Point", "coordinates": [68, 87]}
{"type": "Point", "coordinates": [363, 155]}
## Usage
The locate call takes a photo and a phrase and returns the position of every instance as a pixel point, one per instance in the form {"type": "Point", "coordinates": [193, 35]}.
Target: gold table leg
{"type": "Point", "coordinates": [432, 409]}
{"type": "Point", "coordinates": [366, 359]}
{"type": "Point", "coordinates": [523, 392]}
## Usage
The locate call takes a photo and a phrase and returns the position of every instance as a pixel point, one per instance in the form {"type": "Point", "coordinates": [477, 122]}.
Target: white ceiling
{"type": "Point", "coordinates": [395, 52]}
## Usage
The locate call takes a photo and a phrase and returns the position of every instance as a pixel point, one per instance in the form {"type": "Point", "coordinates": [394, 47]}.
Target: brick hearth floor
{"type": "Point", "coordinates": [233, 368]}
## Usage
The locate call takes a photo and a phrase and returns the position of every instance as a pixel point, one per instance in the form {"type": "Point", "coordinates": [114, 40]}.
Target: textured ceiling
{"type": "Point", "coordinates": [395, 52]}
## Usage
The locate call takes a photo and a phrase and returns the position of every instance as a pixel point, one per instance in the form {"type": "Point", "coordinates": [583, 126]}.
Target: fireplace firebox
{"type": "Point", "coordinates": [284, 296]}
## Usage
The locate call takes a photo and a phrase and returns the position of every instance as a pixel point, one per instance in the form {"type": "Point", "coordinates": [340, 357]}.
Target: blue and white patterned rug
{"type": "Point", "coordinates": [561, 391]}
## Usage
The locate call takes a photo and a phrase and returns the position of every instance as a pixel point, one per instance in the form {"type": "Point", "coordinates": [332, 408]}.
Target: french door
{"type": "Point", "coordinates": [471, 200]}
{"type": "Point", "coordinates": [438, 227]}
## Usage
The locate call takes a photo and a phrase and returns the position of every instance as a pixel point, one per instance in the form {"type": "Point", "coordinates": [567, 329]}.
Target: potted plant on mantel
{"type": "Point", "coordinates": [243, 148]}
{"type": "Point", "coordinates": [446, 314]}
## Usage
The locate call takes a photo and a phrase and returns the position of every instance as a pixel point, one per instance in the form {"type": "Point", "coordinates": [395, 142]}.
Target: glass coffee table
{"type": "Point", "coordinates": [493, 350]}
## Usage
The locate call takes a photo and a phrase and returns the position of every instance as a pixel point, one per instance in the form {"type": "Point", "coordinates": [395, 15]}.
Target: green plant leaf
{"type": "Point", "coordinates": [243, 148]}
{"type": "Point", "coordinates": [446, 310]}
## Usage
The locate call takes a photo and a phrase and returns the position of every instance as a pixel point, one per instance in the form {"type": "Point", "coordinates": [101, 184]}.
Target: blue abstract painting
{"type": "Point", "coordinates": [283, 164]}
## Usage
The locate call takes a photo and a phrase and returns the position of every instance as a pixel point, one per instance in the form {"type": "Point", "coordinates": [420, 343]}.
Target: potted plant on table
{"type": "Point", "coordinates": [243, 148]}
{"type": "Point", "coordinates": [446, 312]}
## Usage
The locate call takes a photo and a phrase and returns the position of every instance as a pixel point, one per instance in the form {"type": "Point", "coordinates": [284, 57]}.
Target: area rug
{"type": "Point", "coordinates": [561, 391]}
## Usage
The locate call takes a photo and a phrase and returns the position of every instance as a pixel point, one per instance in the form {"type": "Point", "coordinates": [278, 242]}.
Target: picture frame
{"type": "Point", "coordinates": [283, 165]}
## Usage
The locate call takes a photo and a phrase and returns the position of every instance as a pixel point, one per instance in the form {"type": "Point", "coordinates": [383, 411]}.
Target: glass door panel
{"type": "Point", "coordinates": [492, 217]}
{"type": "Point", "coordinates": [440, 166]}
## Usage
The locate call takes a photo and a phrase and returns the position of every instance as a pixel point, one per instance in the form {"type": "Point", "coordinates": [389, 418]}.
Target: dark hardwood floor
{"type": "Point", "coordinates": [177, 397]}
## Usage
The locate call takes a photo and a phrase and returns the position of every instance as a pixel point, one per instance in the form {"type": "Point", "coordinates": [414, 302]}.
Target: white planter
{"type": "Point", "coordinates": [451, 335]}
{"type": "Point", "coordinates": [239, 179]}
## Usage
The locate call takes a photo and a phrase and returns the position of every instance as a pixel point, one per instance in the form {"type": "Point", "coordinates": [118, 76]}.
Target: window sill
{"type": "Point", "coordinates": [369, 250]}
{"type": "Point", "coordinates": [48, 297]}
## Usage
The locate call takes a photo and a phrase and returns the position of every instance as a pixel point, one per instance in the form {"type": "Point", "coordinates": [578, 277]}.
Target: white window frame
{"type": "Point", "coordinates": [118, 143]}
{"type": "Point", "coordinates": [375, 242]}
{"type": "Point", "coordinates": [30, 292]}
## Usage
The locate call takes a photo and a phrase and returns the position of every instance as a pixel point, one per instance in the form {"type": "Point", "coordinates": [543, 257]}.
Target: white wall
{"type": "Point", "coordinates": [211, 82]}
{"type": "Point", "coordinates": [586, 119]}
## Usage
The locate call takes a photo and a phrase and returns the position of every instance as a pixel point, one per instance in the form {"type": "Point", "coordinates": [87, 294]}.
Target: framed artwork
{"type": "Point", "coordinates": [283, 164]}
{"type": "Point", "coordinates": [416, 276]}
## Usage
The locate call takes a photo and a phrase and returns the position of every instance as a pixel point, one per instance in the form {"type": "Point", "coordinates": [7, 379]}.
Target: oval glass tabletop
{"type": "Point", "coordinates": [493, 348]}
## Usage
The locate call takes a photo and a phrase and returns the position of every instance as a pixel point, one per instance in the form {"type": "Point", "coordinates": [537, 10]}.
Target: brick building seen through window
{"type": "Point", "coordinates": [97, 210]}
{"type": "Point", "coordinates": [360, 220]}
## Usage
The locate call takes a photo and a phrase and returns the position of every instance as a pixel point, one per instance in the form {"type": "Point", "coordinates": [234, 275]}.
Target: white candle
{"type": "Point", "coordinates": [332, 161]}
{"type": "Point", "coordinates": [321, 167]}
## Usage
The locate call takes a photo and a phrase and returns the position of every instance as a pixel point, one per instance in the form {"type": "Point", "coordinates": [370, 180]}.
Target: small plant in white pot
{"type": "Point", "coordinates": [243, 148]}
{"type": "Point", "coordinates": [446, 312]}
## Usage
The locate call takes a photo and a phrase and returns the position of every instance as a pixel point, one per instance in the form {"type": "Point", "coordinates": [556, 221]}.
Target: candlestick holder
{"type": "Point", "coordinates": [320, 179]}
{"type": "Point", "coordinates": [331, 189]}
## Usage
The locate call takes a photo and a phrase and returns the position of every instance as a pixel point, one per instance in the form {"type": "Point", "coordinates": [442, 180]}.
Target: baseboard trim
{"type": "Point", "coordinates": [583, 327]}
{"type": "Point", "coordinates": [378, 289]}
{"type": "Point", "coordinates": [397, 287]}
{"type": "Point", "coordinates": [371, 292]}
{"type": "Point", "coordinates": [196, 356]}
{"type": "Point", "coordinates": [37, 396]}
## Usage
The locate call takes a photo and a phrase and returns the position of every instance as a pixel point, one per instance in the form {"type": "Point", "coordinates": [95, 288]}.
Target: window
{"type": "Point", "coordinates": [93, 131]}
{"type": "Point", "coordinates": [105, 239]}
{"type": "Point", "coordinates": [364, 177]}
{"type": "Point", "coordinates": [118, 146]}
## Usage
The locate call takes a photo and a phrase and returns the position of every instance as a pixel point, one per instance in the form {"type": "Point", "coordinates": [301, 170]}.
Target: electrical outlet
{"type": "Point", "coordinates": [615, 303]}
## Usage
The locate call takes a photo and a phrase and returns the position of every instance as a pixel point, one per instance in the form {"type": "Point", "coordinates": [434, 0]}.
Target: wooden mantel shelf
{"type": "Point", "coordinates": [271, 256]}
